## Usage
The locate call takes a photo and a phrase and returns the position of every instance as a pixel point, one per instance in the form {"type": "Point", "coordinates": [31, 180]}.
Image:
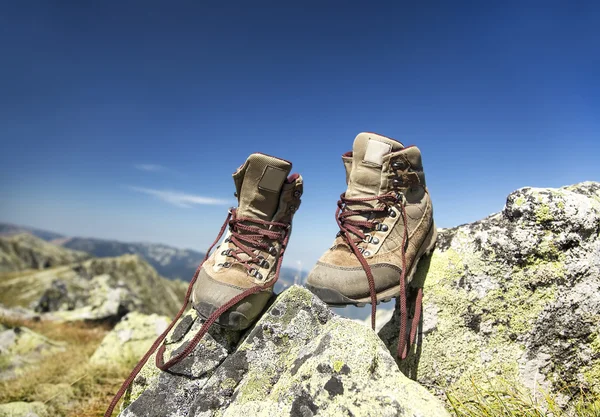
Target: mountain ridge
{"type": "Point", "coordinates": [169, 261]}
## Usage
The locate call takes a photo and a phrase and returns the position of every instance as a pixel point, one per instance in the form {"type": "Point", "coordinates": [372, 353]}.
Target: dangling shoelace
{"type": "Point", "coordinates": [349, 227]}
{"type": "Point", "coordinates": [256, 237]}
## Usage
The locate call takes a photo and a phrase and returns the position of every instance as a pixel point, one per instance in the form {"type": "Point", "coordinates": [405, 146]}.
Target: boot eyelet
{"type": "Point", "coordinates": [272, 250]}
{"type": "Point", "coordinates": [391, 213]}
{"type": "Point", "coordinates": [225, 264]}
{"type": "Point", "coordinates": [226, 252]}
{"type": "Point", "coordinates": [367, 253]}
{"type": "Point", "coordinates": [263, 263]}
{"type": "Point", "coordinates": [396, 182]}
{"type": "Point", "coordinates": [381, 227]}
{"type": "Point", "coordinates": [371, 239]}
{"type": "Point", "coordinates": [398, 165]}
{"type": "Point", "coordinates": [297, 194]}
{"type": "Point", "coordinates": [254, 273]}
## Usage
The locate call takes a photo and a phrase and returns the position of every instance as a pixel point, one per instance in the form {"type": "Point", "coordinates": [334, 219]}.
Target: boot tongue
{"type": "Point", "coordinates": [258, 183]}
{"type": "Point", "coordinates": [367, 160]}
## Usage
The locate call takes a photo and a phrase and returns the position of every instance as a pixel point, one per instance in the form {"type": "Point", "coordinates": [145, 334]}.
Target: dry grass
{"type": "Point", "coordinates": [504, 400]}
{"type": "Point", "coordinates": [65, 381]}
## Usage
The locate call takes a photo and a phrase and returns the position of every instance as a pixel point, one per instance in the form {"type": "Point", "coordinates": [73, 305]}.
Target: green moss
{"type": "Point", "coordinates": [561, 205]}
{"type": "Point", "coordinates": [543, 215]}
{"type": "Point", "coordinates": [519, 201]}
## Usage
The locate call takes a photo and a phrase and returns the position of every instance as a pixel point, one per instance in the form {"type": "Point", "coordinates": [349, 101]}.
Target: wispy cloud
{"type": "Point", "coordinates": [180, 199]}
{"type": "Point", "coordinates": [150, 167]}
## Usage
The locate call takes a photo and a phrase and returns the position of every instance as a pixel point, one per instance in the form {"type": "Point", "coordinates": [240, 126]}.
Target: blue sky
{"type": "Point", "coordinates": [126, 119]}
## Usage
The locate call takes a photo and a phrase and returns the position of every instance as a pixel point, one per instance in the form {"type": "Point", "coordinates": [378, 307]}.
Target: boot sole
{"type": "Point", "coordinates": [336, 299]}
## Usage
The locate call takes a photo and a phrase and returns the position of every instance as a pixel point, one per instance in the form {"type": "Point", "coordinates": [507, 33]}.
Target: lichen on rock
{"type": "Point", "coordinates": [129, 339]}
{"type": "Point", "coordinates": [21, 347]}
{"type": "Point", "coordinates": [515, 299]}
{"type": "Point", "coordinates": [299, 359]}
{"type": "Point", "coordinates": [24, 409]}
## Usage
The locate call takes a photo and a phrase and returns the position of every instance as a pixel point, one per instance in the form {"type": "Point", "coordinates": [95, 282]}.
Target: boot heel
{"type": "Point", "coordinates": [426, 249]}
{"type": "Point", "coordinates": [430, 241]}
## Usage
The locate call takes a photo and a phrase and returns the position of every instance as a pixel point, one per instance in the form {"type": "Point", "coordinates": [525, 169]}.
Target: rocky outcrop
{"type": "Point", "coordinates": [95, 290]}
{"type": "Point", "coordinates": [514, 298]}
{"type": "Point", "coordinates": [24, 251]}
{"type": "Point", "coordinates": [299, 359]}
{"type": "Point", "coordinates": [130, 339]}
{"type": "Point", "coordinates": [20, 346]}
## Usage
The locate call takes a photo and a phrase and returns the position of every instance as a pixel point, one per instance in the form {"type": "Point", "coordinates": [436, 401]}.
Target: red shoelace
{"type": "Point", "coordinates": [359, 229]}
{"type": "Point", "coordinates": [244, 231]}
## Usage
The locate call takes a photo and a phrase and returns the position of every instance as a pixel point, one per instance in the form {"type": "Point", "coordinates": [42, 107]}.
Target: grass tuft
{"type": "Point", "coordinates": [65, 382]}
{"type": "Point", "coordinates": [506, 400]}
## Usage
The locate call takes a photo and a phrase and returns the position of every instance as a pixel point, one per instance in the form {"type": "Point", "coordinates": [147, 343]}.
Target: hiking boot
{"type": "Point", "coordinates": [237, 280]}
{"type": "Point", "coordinates": [386, 225]}
{"type": "Point", "coordinates": [233, 285]}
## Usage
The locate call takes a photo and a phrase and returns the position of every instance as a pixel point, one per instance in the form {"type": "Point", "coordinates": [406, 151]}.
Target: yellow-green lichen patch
{"type": "Point", "coordinates": [256, 385]}
{"type": "Point", "coordinates": [543, 214]}
{"type": "Point", "coordinates": [228, 383]}
{"type": "Point", "coordinates": [547, 250]}
{"type": "Point", "coordinates": [516, 305]}
{"type": "Point", "coordinates": [592, 376]}
{"type": "Point", "coordinates": [348, 371]}
{"type": "Point", "coordinates": [595, 344]}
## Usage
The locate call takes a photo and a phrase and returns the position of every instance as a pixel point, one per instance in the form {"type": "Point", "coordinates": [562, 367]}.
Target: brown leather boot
{"type": "Point", "coordinates": [250, 255]}
{"type": "Point", "coordinates": [386, 225]}
{"type": "Point", "coordinates": [232, 286]}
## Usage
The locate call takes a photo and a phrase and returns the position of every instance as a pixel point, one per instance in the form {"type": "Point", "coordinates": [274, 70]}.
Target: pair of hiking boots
{"type": "Point", "coordinates": [386, 225]}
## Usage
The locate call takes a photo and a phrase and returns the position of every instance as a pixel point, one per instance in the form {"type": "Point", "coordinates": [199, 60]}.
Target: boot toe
{"type": "Point", "coordinates": [337, 285]}
{"type": "Point", "coordinates": [210, 294]}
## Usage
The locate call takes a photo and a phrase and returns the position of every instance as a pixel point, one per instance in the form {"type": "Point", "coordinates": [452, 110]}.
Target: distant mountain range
{"type": "Point", "coordinates": [169, 262]}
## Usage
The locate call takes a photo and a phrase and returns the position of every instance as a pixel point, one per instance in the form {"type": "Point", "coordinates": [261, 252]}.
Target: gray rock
{"type": "Point", "coordinates": [515, 299]}
{"type": "Point", "coordinates": [129, 339]}
{"type": "Point", "coordinates": [21, 347]}
{"type": "Point", "coordinates": [298, 360]}
{"type": "Point", "coordinates": [23, 409]}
